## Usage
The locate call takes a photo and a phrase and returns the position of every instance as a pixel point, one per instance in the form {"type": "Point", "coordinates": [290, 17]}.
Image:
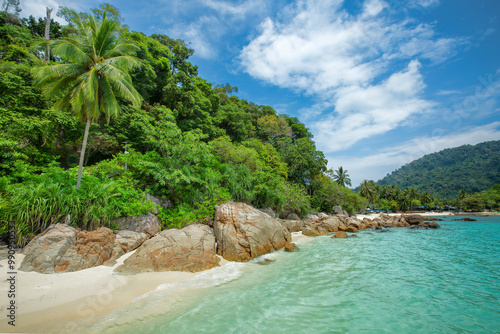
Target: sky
{"type": "Point", "coordinates": [378, 82]}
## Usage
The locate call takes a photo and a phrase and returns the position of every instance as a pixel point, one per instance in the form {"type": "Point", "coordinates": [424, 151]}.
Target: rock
{"type": "Point", "coordinates": [292, 216]}
{"type": "Point", "coordinates": [433, 225]}
{"type": "Point", "coordinates": [62, 248]}
{"type": "Point", "coordinates": [337, 209]}
{"type": "Point", "coordinates": [244, 233]}
{"type": "Point", "coordinates": [345, 213]}
{"type": "Point", "coordinates": [269, 211]}
{"type": "Point", "coordinates": [378, 227]}
{"type": "Point", "coordinates": [46, 248]}
{"type": "Point", "coordinates": [311, 218]}
{"type": "Point", "coordinates": [91, 249]}
{"type": "Point", "coordinates": [352, 229]}
{"type": "Point", "coordinates": [466, 219]}
{"type": "Point", "coordinates": [340, 234]}
{"type": "Point", "coordinates": [190, 249]}
{"type": "Point", "coordinates": [323, 226]}
{"type": "Point", "coordinates": [292, 225]}
{"type": "Point", "coordinates": [130, 240]}
{"type": "Point", "coordinates": [426, 225]}
{"type": "Point", "coordinates": [353, 236]}
{"type": "Point", "coordinates": [162, 202]}
{"type": "Point", "coordinates": [433, 219]}
{"type": "Point", "coordinates": [414, 219]}
{"type": "Point", "coordinates": [149, 224]}
{"type": "Point", "coordinates": [291, 247]}
{"type": "Point", "coordinates": [265, 261]}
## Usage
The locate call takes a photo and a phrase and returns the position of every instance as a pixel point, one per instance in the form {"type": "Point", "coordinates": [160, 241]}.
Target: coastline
{"type": "Point", "coordinates": [64, 302]}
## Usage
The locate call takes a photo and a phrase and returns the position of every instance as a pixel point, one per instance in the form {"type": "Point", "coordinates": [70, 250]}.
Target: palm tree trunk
{"type": "Point", "coordinates": [82, 153]}
{"type": "Point", "coordinates": [47, 32]}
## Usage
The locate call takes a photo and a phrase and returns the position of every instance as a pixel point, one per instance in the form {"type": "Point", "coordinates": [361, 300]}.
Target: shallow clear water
{"type": "Point", "coordinates": [402, 281]}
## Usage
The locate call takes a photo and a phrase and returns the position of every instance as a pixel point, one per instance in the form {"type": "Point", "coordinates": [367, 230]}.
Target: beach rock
{"type": "Point", "coordinates": [292, 225]}
{"type": "Point", "coordinates": [340, 234]}
{"type": "Point", "coordinates": [130, 240]}
{"type": "Point", "coordinates": [351, 228]}
{"type": "Point", "coordinates": [323, 226]}
{"type": "Point", "coordinates": [91, 249]}
{"type": "Point", "coordinates": [149, 224]}
{"type": "Point", "coordinates": [426, 225]}
{"type": "Point", "coordinates": [337, 209]}
{"type": "Point", "coordinates": [47, 248]}
{"type": "Point", "coordinates": [414, 219]}
{"type": "Point", "coordinates": [290, 247]}
{"type": "Point", "coordinates": [353, 236]}
{"type": "Point", "coordinates": [292, 216]}
{"type": "Point", "coordinates": [466, 219]}
{"type": "Point", "coordinates": [190, 249]}
{"type": "Point", "coordinates": [265, 261]}
{"type": "Point", "coordinates": [269, 211]}
{"type": "Point", "coordinates": [61, 248]}
{"type": "Point", "coordinates": [244, 233]}
{"type": "Point", "coordinates": [432, 219]}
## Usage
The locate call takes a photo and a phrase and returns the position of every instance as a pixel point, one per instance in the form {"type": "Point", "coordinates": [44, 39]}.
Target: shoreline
{"type": "Point", "coordinates": [63, 302]}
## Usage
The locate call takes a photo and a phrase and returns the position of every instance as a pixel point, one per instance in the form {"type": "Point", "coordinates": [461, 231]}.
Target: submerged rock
{"type": "Point", "coordinates": [190, 249]}
{"type": "Point", "coordinates": [244, 233]}
{"type": "Point", "coordinates": [340, 234]}
{"type": "Point", "coordinates": [291, 247]}
{"type": "Point", "coordinates": [414, 219]}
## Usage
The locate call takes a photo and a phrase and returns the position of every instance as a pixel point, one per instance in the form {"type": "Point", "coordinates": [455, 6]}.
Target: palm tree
{"type": "Point", "coordinates": [341, 177]}
{"type": "Point", "coordinates": [93, 73]}
{"type": "Point", "coordinates": [369, 190]}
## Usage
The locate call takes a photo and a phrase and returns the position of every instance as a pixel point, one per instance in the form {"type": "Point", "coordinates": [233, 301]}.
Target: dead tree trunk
{"type": "Point", "coordinates": [47, 32]}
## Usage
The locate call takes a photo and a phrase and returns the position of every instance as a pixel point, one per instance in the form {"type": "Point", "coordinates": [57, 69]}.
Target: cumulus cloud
{"type": "Point", "coordinates": [350, 64]}
{"type": "Point", "coordinates": [214, 20]}
{"type": "Point", "coordinates": [375, 166]}
{"type": "Point", "coordinates": [37, 8]}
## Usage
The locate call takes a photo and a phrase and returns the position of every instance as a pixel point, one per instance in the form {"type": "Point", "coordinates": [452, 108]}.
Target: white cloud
{"type": "Point", "coordinates": [37, 8]}
{"type": "Point", "coordinates": [341, 60]}
{"type": "Point", "coordinates": [376, 165]}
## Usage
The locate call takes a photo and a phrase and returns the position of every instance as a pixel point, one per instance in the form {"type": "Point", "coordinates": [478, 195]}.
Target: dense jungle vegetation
{"type": "Point", "coordinates": [191, 142]}
{"type": "Point", "coordinates": [443, 174]}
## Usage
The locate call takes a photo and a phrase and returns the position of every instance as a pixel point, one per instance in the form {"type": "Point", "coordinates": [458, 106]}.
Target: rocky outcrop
{"type": "Point", "coordinates": [126, 241]}
{"type": "Point", "coordinates": [149, 224]}
{"type": "Point", "coordinates": [190, 249]}
{"type": "Point", "coordinates": [269, 211]}
{"type": "Point", "coordinates": [290, 247]}
{"type": "Point", "coordinates": [340, 234]}
{"type": "Point", "coordinates": [292, 216]}
{"type": "Point", "coordinates": [426, 225]}
{"type": "Point", "coordinates": [61, 248]}
{"type": "Point", "coordinates": [244, 233]}
{"type": "Point", "coordinates": [292, 225]}
{"type": "Point", "coordinates": [413, 219]}
{"type": "Point", "coordinates": [323, 226]}
{"type": "Point", "coordinates": [351, 228]}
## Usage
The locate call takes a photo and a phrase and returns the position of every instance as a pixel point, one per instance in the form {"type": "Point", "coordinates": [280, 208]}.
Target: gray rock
{"type": "Point", "coordinates": [292, 216]}
{"type": "Point", "coordinates": [44, 251]}
{"type": "Point", "coordinates": [244, 233]}
{"type": "Point", "coordinates": [162, 202]}
{"type": "Point", "coordinates": [269, 211]}
{"type": "Point", "coordinates": [149, 224]}
{"type": "Point", "coordinates": [323, 226]}
{"type": "Point", "coordinates": [190, 249]}
{"type": "Point", "coordinates": [337, 209]}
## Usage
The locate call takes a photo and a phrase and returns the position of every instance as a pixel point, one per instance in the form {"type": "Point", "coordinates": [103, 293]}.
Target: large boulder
{"type": "Point", "coordinates": [244, 233]}
{"type": "Point", "coordinates": [91, 248]}
{"type": "Point", "coordinates": [44, 251]}
{"type": "Point", "coordinates": [125, 241]}
{"type": "Point", "coordinates": [269, 211]}
{"type": "Point", "coordinates": [190, 249]}
{"type": "Point", "coordinates": [340, 234]}
{"type": "Point", "coordinates": [292, 216]}
{"type": "Point", "coordinates": [61, 248]}
{"type": "Point", "coordinates": [323, 226]}
{"type": "Point", "coordinates": [414, 219]}
{"type": "Point", "coordinates": [149, 224]}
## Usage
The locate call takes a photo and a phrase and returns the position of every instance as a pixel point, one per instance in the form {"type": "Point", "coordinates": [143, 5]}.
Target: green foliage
{"type": "Point", "coordinates": [443, 174]}
{"type": "Point", "coordinates": [329, 193]}
{"type": "Point", "coordinates": [185, 214]}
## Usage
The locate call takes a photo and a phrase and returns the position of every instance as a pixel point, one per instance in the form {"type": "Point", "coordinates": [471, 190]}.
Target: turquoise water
{"type": "Point", "coordinates": [402, 281]}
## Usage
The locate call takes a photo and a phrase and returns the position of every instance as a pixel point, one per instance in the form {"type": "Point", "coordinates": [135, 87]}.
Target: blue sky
{"type": "Point", "coordinates": [379, 83]}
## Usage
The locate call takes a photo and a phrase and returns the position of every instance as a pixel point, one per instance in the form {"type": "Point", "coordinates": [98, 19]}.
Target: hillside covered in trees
{"type": "Point", "coordinates": [188, 141]}
{"type": "Point", "coordinates": [443, 174]}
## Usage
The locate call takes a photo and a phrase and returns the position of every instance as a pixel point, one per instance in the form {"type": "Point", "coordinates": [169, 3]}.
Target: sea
{"type": "Point", "coordinates": [401, 281]}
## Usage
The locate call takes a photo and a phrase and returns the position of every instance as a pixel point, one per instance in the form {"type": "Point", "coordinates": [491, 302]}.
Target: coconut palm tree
{"type": "Point", "coordinates": [341, 177]}
{"type": "Point", "coordinates": [93, 73]}
{"type": "Point", "coordinates": [369, 190]}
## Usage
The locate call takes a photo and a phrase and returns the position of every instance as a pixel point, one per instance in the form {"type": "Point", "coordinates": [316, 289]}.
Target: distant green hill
{"type": "Point", "coordinates": [443, 174]}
